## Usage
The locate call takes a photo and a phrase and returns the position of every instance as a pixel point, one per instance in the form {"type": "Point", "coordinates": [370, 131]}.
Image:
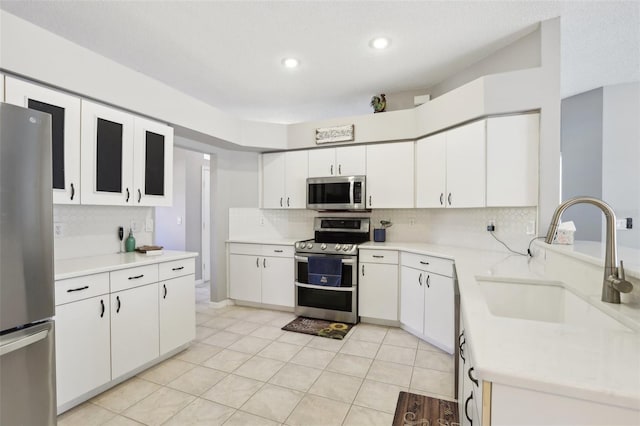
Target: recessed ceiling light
{"type": "Point", "coordinates": [380, 43]}
{"type": "Point", "coordinates": [290, 62]}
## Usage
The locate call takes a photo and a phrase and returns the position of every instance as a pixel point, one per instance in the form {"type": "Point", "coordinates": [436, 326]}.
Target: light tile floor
{"type": "Point", "coordinates": [244, 370]}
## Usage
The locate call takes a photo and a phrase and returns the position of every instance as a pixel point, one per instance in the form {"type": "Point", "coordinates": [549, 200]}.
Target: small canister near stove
{"type": "Point", "coordinates": [379, 235]}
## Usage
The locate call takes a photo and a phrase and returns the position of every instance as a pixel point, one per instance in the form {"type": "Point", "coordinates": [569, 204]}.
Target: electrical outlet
{"type": "Point", "coordinates": [135, 226]}
{"type": "Point", "coordinates": [261, 220]}
{"type": "Point", "coordinates": [412, 221]}
{"type": "Point", "coordinates": [58, 229]}
{"type": "Point", "coordinates": [148, 225]}
{"type": "Point", "coordinates": [491, 225]}
{"type": "Point", "coordinates": [531, 227]}
{"type": "Point", "coordinates": [624, 224]}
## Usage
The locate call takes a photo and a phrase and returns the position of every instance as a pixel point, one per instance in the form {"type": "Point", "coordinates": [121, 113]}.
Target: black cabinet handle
{"type": "Point", "coordinates": [257, 262]}
{"type": "Point", "coordinates": [277, 251]}
{"type": "Point", "coordinates": [369, 200]}
{"type": "Point", "coordinates": [466, 407]}
{"type": "Point", "coordinates": [461, 347]}
{"type": "Point", "coordinates": [165, 291]}
{"type": "Point", "coordinates": [420, 278]}
{"type": "Point", "coordinates": [71, 290]}
{"type": "Point", "coordinates": [73, 191]}
{"type": "Point", "coordinates": [280, 201]}
{"type": "Point", "coordinates": [332, 170]}
{"type": "Point", "coordinates": [363, 270]}
{"type": "Point", "coordinates": [101, 308]}
{"type": "Point", "coordinates": [449, 198]}
{"type": "Point", "coordinates": [428, 280]}
{"type": "Point", "coordinates": [136, 277]}
{"type": "Point", "coordinates": [441, 197]}
{"type": "Point", "coordinates": [264, 262]}
{"type": "Point", "coordinates": [339, 169]}
{"type": "Point", "coordinates": [424, 263]}
{"type": "Point", "coordinates": [473, 379]}
{"type": "Point", "coordinates": [127, 200]}
{"type": "Point", "coordinates": [119, 304]}
{"type": "Point", "coordinates": [139, 195]}
{"type": "Point", "coordinates": [178, 268]}
{"type": "Point", "coordinates": [287, 201]}
{"type": "Point", "coordinates": [377, 256]}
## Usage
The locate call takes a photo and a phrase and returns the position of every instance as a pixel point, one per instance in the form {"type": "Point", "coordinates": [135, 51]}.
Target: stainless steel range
{"type": "Point", "coordinates": [326, 269]}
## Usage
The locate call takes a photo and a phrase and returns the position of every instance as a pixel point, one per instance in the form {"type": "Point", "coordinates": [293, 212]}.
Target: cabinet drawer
{"type": "Point", "coordinates": [277, 251]}
{"type": "Point", "coordinates": [250, 249]}
{"type": "Point", "coordinates": [378, 256]}
{"type": "Point", "coordinates": [177, 268]}
{"type": "Point", "coordinates": [133, 277]}
{"type": "Point", "coordinates": [436, 265]}
{"type": "Point", "coordinates": [80, 288]}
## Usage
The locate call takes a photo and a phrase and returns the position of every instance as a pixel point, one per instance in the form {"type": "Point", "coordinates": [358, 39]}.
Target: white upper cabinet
{"type": "Point", "coordinates": [126, 160]}
{"type": "Point", "coordinates": [65, 132]}
{"type": "Point", "coordinates": [431, 171]}
{"type": "Point", "coordinates": [107, 155]}
{"type": "Point", "coordinates": [340, 161]}
{"type": "Point", "coordinates": [512, 160]}
{"type": "Point", "coordinates": [153, 163]}
{"type": "Point", "coordinates": [284, 180]}
{"type": "Point", "coordinates": [466, 165]}
{"type": "Point", "coordinates": [390, 175]}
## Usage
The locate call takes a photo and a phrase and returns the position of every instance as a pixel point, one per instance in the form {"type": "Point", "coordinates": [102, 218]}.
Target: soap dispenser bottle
{"type": "Point", "coordinates": [130, 243]}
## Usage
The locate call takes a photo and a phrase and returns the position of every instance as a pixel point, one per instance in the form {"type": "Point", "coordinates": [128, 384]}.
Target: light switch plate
{"type": "Point", "coordinates": [148, 225]}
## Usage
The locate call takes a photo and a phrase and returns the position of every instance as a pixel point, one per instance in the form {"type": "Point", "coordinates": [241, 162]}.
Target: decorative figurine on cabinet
{"type": "Point", "coordinates": [379, 103]}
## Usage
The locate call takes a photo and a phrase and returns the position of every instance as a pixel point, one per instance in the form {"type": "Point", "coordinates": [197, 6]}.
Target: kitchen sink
{"type": "Point", "coordinates": [543, 301]}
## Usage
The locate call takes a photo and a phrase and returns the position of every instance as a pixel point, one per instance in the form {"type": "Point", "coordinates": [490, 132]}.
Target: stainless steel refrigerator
{"type": "Point", "coordinates": [27, 355]}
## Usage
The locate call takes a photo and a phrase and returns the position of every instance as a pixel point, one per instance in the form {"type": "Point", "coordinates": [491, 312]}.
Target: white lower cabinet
{"type": "Point", "coordinates": [277, 281]}
{"type": "Point", "coordinates": [83, 359]}
{"type": "Point", "coordinates": [177, 312]}
{"type": "Point", "coordinates": [111, 324]}
{"type": "Point", "coordinates": [134, 328]}
{"type": "Point", "coordinates": [427, 299]}
{"type": "Point", "coordinates": [261, 274]}
{"type": "Point", "coordinates": [378, 291]}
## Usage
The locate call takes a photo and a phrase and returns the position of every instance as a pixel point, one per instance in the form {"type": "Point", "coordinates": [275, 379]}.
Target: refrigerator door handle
{"type": "Point", "coordinates": [25, 341]}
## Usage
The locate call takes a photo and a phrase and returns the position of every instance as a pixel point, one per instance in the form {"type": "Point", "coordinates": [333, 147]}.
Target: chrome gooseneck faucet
{"type": "Point", "coordinates": [614, 281]}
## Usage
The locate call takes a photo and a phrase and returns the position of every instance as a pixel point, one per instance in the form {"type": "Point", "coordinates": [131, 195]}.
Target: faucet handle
{"type": "Point", "coordinates": [621, 271]}
{"type": "Point", "coordinates": [620, 283]}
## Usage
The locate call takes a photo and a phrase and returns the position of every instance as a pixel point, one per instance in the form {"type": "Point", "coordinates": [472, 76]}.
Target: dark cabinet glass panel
{"type": "Point", "coordinates": [57, 139]}
{"type": "Point", "coordinates": [154, 164]}
{"type": "Point", "coordinates": [109, 156]}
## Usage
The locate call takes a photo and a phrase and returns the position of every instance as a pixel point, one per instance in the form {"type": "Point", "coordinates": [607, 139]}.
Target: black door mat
{"type": "Point", "coordinates": [318, 327]}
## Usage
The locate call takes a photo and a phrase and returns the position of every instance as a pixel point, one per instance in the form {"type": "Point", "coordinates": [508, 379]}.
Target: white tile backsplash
{"type": "Point", "coordinates": [456, 227]}
{"type": "Point", "coordinates": [93, 230]}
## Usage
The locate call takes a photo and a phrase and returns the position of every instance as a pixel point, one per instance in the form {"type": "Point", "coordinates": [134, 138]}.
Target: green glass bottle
{"type": "Point", "coordinates": [130, 243]}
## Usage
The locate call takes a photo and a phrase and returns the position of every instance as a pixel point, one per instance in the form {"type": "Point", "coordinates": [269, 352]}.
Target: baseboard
{"type": "Point", "coordinates": [221, 304]}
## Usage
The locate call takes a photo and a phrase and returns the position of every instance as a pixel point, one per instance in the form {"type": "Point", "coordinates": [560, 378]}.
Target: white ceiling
{"type": "Point", "coordinates": [228, 53]}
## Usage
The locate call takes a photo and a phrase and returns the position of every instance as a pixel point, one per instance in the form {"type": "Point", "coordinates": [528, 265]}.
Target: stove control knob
{"type": "Point", "coordinates": [323, 246]}
{"type": "Point", "coordinates": [309, 245]}
{"type": "Point", "coordinates": [338, 247]}
{"type": "Point", "coordinates": [347, 247]}
{"type": "Point", "coordinates": [299, 245]}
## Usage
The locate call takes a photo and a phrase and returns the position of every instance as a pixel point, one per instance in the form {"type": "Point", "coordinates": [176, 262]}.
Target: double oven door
{"type": "Point", "coordinates": [338, 303]}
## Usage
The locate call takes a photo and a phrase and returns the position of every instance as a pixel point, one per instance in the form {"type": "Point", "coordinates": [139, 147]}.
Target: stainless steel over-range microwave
{"type": "Point", "coordinates": [336, 193]}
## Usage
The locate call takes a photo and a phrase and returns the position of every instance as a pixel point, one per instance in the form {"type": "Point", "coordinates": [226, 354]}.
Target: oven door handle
{"type": "Point", "coordinates": [306, 260]}
{"type": "Point", "coordinates": [325, 287]}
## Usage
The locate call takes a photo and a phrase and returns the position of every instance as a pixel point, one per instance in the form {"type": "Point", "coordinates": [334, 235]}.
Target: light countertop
{"type": "Point", "coordinates": [69, 268]}
{"type": "Point", "coordinates": [580, 362]}
{"type": "Point", "coordinates": [268, 241]}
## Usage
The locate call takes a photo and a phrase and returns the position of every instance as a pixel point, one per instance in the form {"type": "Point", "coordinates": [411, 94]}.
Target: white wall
{"type": "Point", "coordinates": [168, 232]}
{"type": "Point", "coordinates": [35, 53]}
{"type": "Point", "coordinates": [581, 149]}
{"type": "Point", "coordinates": [194, 161]}
{"type": "Point", "coordinates": [454, 227]}
{"type": "Point", "coordinates": [621, 156]}
{"type": "Point", "coordinates": [93, 230]}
